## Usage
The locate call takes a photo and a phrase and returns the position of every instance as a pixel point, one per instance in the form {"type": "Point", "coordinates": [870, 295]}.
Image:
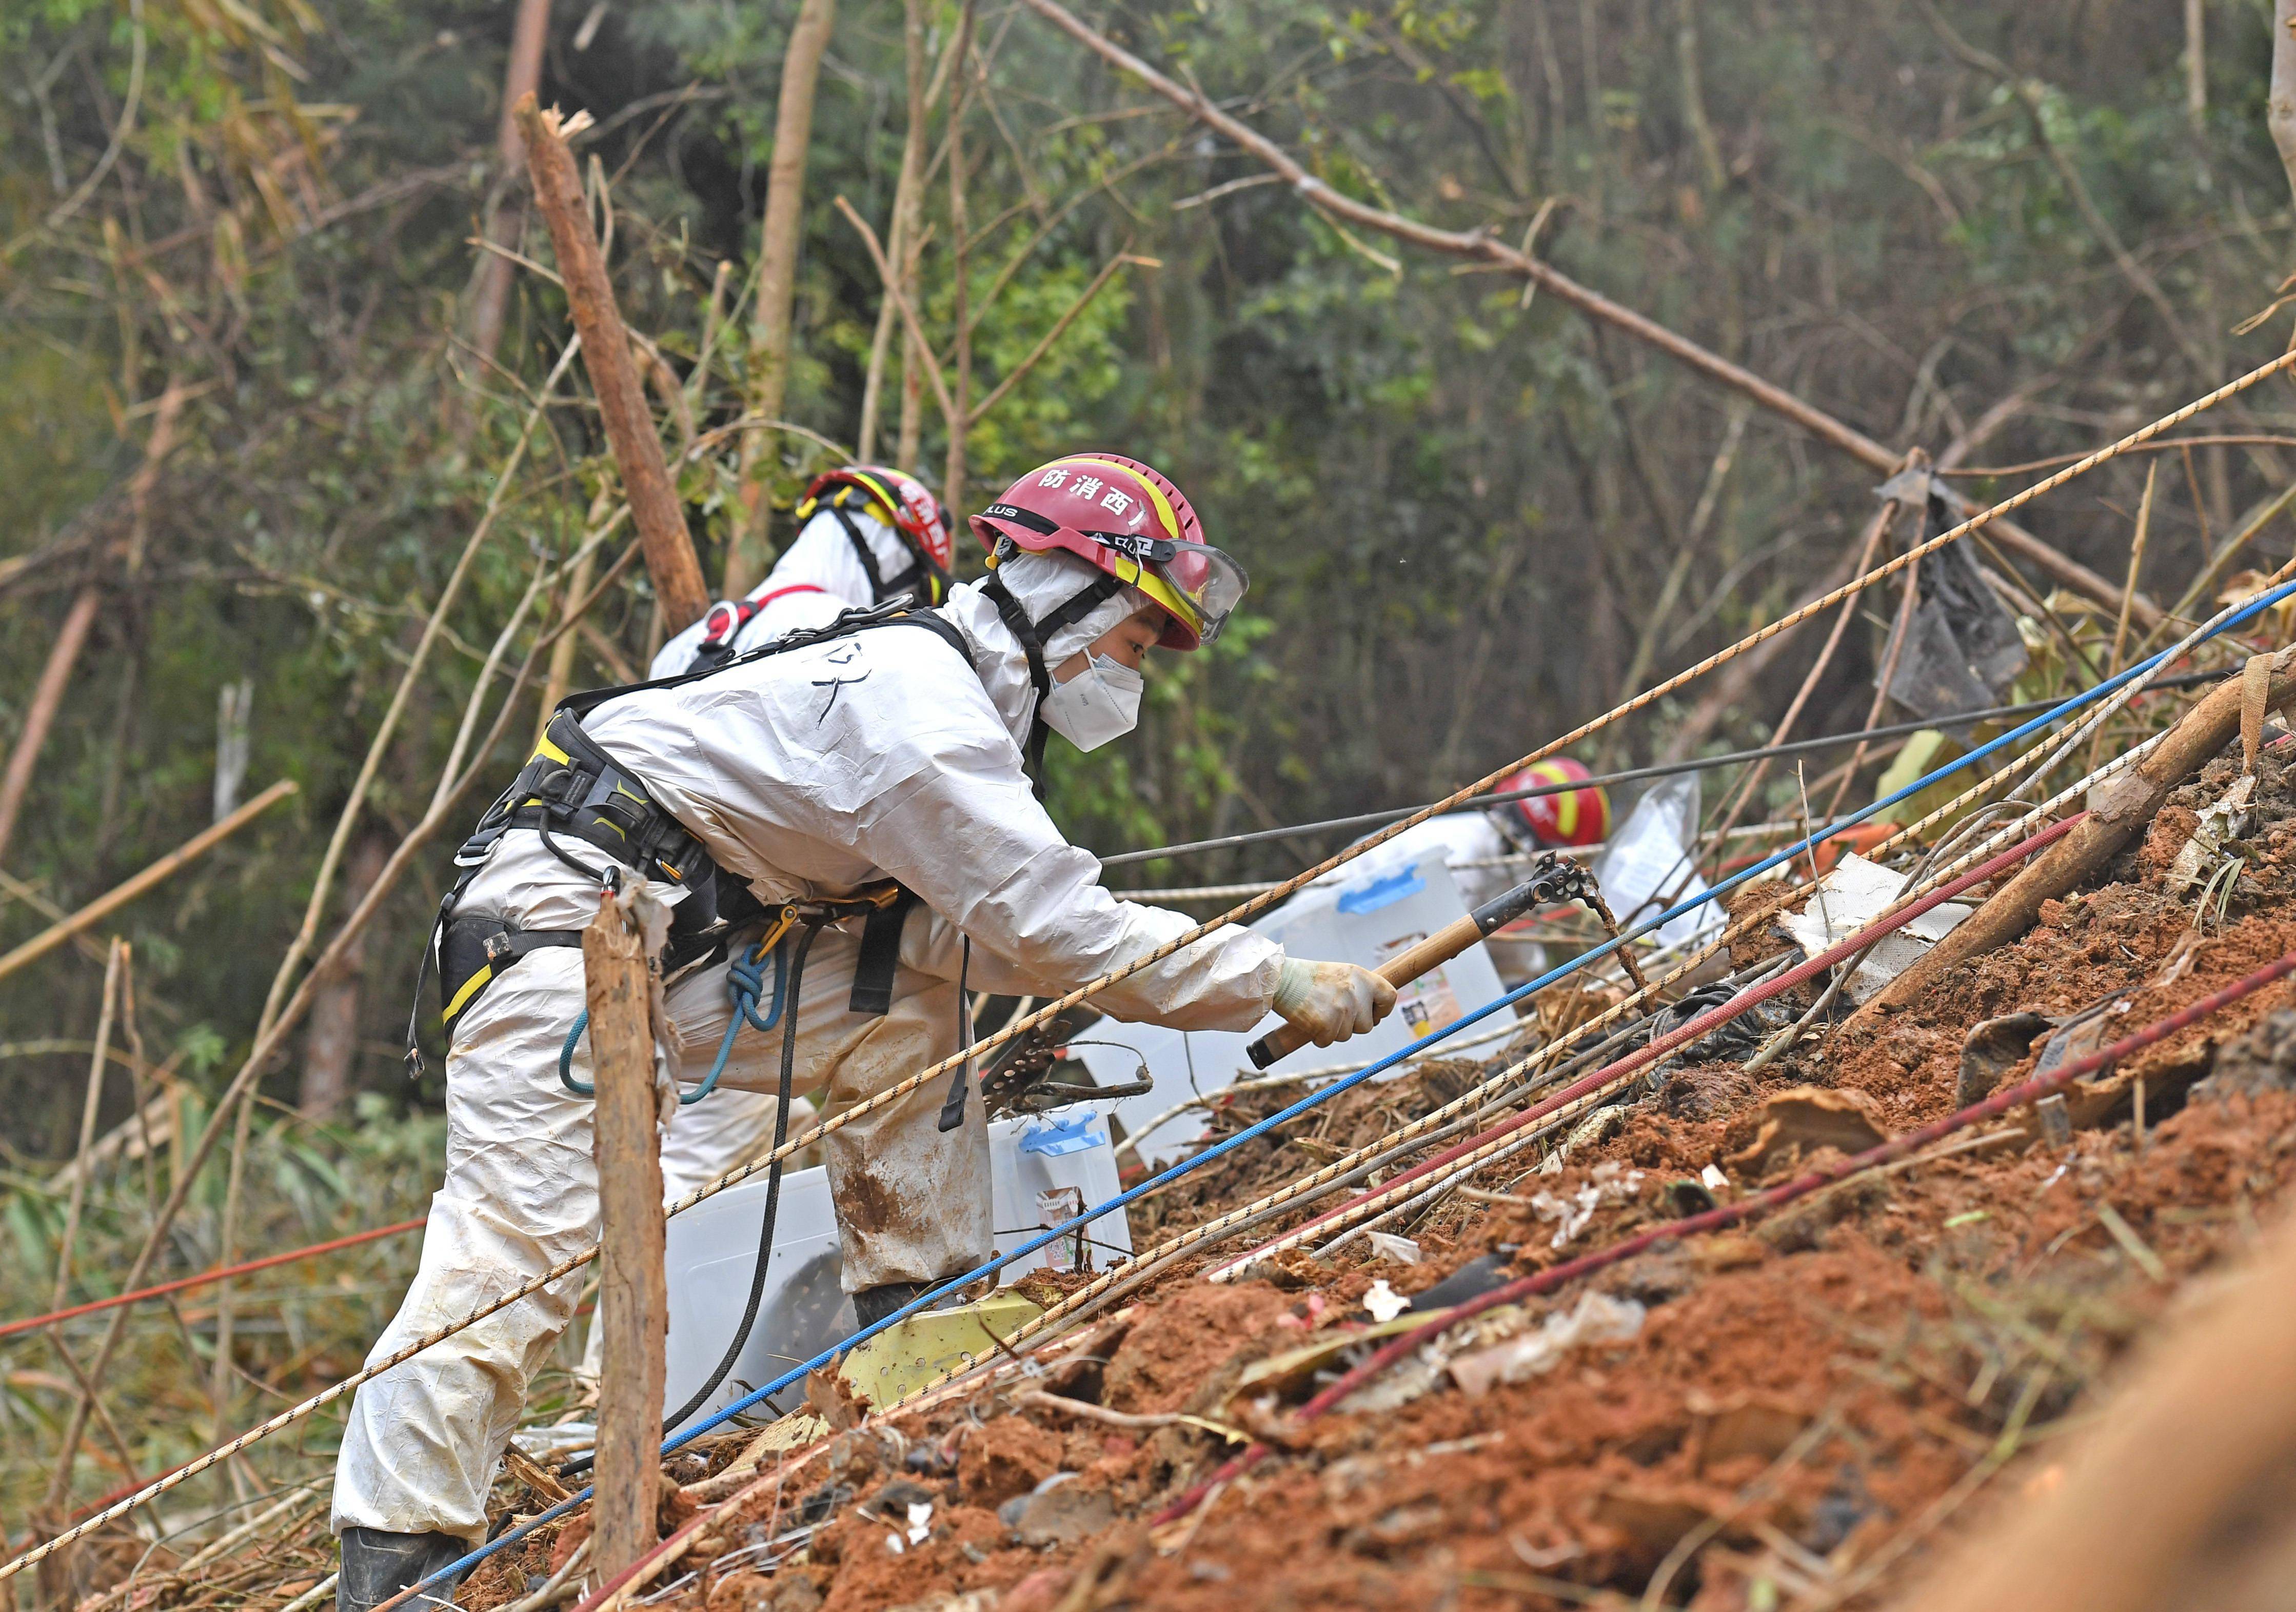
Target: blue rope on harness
{"type": "Point", "coordinates": [745, 981]}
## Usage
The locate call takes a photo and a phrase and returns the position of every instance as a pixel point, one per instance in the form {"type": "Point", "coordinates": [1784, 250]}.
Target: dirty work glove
{"type": "Point", "coordinates": [1331, 1000]}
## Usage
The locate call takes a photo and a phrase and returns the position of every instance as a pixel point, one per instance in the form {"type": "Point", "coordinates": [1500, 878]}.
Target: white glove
{"type": "Point", "coordinates": [1331, 1000]}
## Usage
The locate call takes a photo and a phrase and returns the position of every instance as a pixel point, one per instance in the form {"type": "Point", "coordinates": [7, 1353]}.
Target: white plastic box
{"type": "Point", "coordinates": [711, 1250]}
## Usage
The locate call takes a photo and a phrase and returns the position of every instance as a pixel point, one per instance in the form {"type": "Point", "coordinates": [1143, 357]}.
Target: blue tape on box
{"type": "Point", "coordinates": [1382, 892]}
{"type": "Point", "coordinates": [1056, 1137]}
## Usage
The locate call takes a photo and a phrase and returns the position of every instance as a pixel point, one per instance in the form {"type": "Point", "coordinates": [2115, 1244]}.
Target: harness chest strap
{"type": "Point", "coordinates": [573, 787]}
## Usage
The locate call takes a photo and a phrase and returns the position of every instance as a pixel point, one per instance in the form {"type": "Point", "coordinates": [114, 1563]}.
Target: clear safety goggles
{"type": "Point", "coordinates": [1198, 582]}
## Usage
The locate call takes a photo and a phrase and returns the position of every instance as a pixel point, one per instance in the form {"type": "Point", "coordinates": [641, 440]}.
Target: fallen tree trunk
{"type": "Point", "coordinates": [2118, 808]}
{"type": "Point", "coordinates": [653, 501]}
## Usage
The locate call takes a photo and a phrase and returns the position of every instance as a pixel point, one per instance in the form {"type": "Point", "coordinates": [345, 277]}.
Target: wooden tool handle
{"type": "Point", "coordinates": [1399, 970]}
{"type": "Point", "coordinates": [1432, 952]}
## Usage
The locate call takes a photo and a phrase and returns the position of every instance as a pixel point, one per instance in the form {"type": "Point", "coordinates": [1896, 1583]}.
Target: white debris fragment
{"type": "Point", "coordinates": [1712, 1179]}
{"type": "Point", "coordinates": [1387, 1245]}
{"type": "Point", "coordinates": [1598, 1319]}
{"type": "Point", "coordinates": [893, 1544]}
{"type": "Point", "coordinates": [1384, 1303]}
{"type": "Point", "coordinates": [920, 1522]}
{"type": "Point", "coordinates": [1854, 895]}
{"type": "Point", "coordinates": [1608, 1182]}
{"type": "Point", "coordinates": [2220, 823]}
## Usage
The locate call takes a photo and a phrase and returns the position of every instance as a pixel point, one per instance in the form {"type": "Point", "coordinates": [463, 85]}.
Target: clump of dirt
{"type": "Point", "coordinates": [1010, 1455]}
{"type": "Point", "coordinates": [1172, 1356]}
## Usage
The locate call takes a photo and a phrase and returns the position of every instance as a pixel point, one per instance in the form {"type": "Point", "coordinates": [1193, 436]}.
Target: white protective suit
{"type": "Point", "coordinates": [812, 773]}
{"type": "Point", "coordinates": [817, 576]}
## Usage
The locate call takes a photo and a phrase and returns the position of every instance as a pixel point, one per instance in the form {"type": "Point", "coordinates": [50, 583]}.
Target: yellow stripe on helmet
{"type": "Point", "coordinates": [884, 494]}
{"type": "Point", "coordinates": [1155, 494]}
{"type": "Point", "coordinates": [1148, 582]}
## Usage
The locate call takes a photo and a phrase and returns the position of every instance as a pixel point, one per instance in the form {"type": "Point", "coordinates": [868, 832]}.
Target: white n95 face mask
{"type": "Point", "coordinates": [1098, 703]}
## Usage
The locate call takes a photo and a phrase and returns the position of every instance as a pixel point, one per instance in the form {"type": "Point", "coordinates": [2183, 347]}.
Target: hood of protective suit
{"type": "Point", "coordinates": [1042, 582]}
{"type": "Point", "coordinates": [817, 576]}
{"type": "Point", "coordinates": [822, 555]}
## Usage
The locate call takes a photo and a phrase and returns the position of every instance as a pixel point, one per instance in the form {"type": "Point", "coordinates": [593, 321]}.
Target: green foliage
{"type": "Point", "coordinates": [1459, 503]}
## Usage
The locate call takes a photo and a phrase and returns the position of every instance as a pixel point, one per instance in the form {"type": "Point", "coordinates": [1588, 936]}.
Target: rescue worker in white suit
{"type": "Point", "coordinates": [891, 750]}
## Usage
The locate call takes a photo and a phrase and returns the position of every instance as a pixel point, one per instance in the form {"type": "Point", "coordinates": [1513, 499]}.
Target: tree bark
{"type": "Point", "coordinates": [914, 355]}
{"type": "Point", "coordinates": [952, 490]}
{"type": "Point", "coordinates": [622, 406]}
{"type": "Point", "coordinates": [633, 1304]}
{"type": "Point", "coordinates": [331, 1046]}
{"type": "Point", "coordinates": [2197, 65]}
{"type": "Point", "coordinates": [2119, 808]}
{"type": "Point", "coordinates": [769, 331]}
{"type": "Point", "coordinates": [908, 209]}
{"type": "Point", "coordinates": [2280, 98]}
{"type": "Point", "coordinates": [521, 77]}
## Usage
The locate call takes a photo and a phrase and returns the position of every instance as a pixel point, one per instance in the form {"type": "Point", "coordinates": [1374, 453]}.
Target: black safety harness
{"type": "Point", "coordinates": [572, 789]}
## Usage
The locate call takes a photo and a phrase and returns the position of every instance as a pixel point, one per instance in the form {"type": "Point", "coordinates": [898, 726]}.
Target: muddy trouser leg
{"type": "Point", "coordinates": [911, 1202]}
{"type": "Point", "coordinates": [521, 1194]}
{"type": "Point", "coordinates": [912, 1205]}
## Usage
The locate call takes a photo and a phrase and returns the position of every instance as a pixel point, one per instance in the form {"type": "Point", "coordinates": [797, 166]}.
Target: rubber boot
{"type": "Point", "coordinates": [873, 1305]}
{"type": "Point", "coordinates": [377, 1565]}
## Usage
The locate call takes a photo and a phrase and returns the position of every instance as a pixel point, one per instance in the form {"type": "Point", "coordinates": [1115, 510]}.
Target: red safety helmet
{"type": "Point", "coordinates": [1125, 519]}
{"type": "Point", "coordinates": [905, 504]}
{"type": "Point", "coordinates": [1570, 817]}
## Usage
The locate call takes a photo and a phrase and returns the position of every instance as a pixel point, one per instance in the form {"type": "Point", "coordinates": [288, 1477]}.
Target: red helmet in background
{"type": "Point", "coordinates": [1125, 519]}
{"type": "Point", "coordinates": [903, 503]}
{"type": "Point", "coordinates": [1568, 817]}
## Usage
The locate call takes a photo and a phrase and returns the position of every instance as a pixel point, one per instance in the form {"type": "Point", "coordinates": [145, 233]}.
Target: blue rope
{"type": "Point", "coordinates": [1323, 1093]}
{"type": "Point", "coordinates": [745, 981]}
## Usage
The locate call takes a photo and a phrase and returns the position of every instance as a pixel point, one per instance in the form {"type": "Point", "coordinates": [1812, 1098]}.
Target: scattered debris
{"type": "Point", "coordinates": [1383, 1303]}
{"type": "Point", "coordinates": [1796, 1124]}
{"type": "Point", "coordinates": [1854, 893]}
{"type": "Point", "coordinates": [1607, 1183]}
{"type": "Point", "coordinates": [1597, 1319]}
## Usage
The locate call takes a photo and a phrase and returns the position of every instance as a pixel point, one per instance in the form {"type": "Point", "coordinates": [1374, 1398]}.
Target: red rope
{"type": "Point", "coordinates": [222, 1273]}
{"type": "Point", "coordinates": [1727, 1215]}
{"type": "Point", "coordinates": [1682, 1035]}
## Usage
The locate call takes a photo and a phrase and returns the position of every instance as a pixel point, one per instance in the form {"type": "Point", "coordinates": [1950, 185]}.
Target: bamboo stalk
{"type": "Point", "coordinates": [521, 77]}
{"type": "Point", "coordinates": [87, 1115]}
{"type": "Point", "coordinates": [777, 248]}
{"type": "Point", "coordinates": [95, 911]}
{"type": "Point", "coordinates": [40, 715]}
{"type": "Point", "coordinates": [960, 419]}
